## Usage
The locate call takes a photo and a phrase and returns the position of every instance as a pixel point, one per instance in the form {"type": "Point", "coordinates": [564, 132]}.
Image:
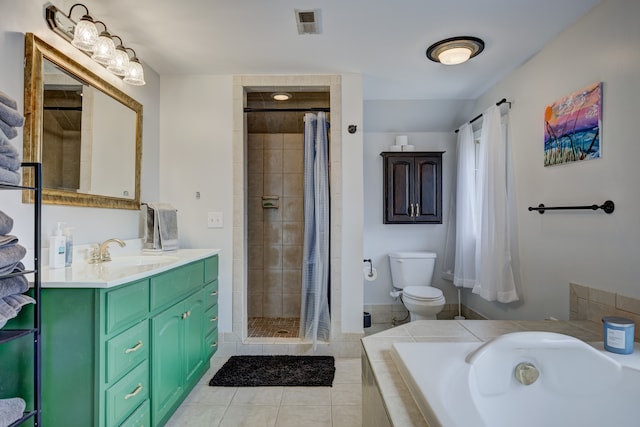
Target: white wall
{"type": "Point", "coordinates": [197, 155]}
{"type": "Point", "coordinates": [588, 248]}
{"type": "Point", "coordinates": [91, 225]}
{"type": "Point", "coordinates": [379, 238]}
{"type": "Point", "coordinates": [352, 203]}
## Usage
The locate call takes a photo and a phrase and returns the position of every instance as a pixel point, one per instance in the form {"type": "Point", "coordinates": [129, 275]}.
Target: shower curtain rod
{"type": "Point", "coordinates": [479, 116]}
{"type": "Point", "coordinates": [286, 110]}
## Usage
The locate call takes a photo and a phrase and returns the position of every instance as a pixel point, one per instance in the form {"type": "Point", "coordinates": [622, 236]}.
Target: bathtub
{"type": "Point", "coordinates": [563, 382]}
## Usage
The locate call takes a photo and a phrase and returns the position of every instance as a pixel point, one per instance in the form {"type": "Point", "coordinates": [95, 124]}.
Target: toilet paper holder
{"type": "Point", "coordinates": [370, 266]}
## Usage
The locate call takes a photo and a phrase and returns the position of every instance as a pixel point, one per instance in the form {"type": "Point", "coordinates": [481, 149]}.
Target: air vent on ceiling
{"type": "Point", "coordinates": [308, 21]}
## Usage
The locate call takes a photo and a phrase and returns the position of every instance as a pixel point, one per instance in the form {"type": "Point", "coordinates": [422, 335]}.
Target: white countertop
{"type": "Point", "coordinates": [81, 274]}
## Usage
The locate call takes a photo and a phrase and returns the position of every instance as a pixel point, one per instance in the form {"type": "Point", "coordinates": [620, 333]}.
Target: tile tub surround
{"type": "Point", "coordinates": [382, 383]}
{"type": "Point", "coordinates": [587, 303]}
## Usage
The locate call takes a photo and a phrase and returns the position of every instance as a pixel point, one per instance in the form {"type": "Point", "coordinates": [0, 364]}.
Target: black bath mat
{"type": "Point", "coordinates": [290, 371]}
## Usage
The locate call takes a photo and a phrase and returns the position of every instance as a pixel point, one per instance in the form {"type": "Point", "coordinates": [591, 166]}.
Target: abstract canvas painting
{"type": "Point", "coordinates": [573, 127]}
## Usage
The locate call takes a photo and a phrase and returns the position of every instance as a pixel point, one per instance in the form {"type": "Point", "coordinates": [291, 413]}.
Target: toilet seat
{"type": "Point", "coordinates": [422, 293]}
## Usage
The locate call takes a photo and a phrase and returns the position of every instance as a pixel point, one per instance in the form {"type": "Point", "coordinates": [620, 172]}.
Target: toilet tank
{"type": "Point", "coordinates": [412, 268]}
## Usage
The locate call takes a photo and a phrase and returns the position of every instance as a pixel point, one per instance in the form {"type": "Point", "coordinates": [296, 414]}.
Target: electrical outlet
{"type": "Point", "coordinates": [214, 220]}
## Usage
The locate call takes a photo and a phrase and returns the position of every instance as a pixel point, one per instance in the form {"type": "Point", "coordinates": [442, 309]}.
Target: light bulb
{"type": "Point", "coordinates": [453, 56]}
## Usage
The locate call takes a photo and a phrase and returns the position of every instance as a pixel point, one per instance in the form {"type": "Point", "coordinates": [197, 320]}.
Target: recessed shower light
{"type": "Point", "coordinates": [281, 96]}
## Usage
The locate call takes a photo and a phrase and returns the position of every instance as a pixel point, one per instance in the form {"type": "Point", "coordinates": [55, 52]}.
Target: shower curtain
{"type": "Point", "coordinates": [314, 312]}
{"type": "Point", "coordinates": [494, 273]}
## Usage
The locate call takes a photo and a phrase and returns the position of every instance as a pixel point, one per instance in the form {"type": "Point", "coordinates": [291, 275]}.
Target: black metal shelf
{"type": "Point", "coordinates": [24, 418]}
{"type": "Point", "coordinates": [7, 335]}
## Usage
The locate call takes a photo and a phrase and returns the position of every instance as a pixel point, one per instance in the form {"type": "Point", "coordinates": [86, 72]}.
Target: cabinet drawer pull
{"type": "Point", "coordinates": [188, 313]}
{"type": "Point", "coordinates": [215, 344]}
{"type": "Point", "coordinates": [134, 392]}
{"type": "Point", "coordinates": [184, 316]}
{"type": "Point", "coordinates": [411, 209]}
{"type": "Point", "coordinates": [214, 319]}
{"type": "Point", "coordinates": [134, 348]}
{"type": "Point", "coordinates": [417, 209]}
{"type": "Point", "coordinates": [214, 293]}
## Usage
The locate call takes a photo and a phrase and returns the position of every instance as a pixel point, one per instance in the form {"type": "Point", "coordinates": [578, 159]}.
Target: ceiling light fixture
{"type": "Point", "coordinates": [281, 96]}
{"type": "Point", "coordinates": [455, 50]}
{"type": "Point", "coordinates": [100, 46]}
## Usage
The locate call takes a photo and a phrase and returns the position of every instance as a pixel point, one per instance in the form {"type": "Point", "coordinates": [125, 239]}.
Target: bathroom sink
{"type": "Point", "coordinates": [140, 260]}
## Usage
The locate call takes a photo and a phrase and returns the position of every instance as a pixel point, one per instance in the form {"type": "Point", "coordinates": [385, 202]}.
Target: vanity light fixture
{"type": "Point", "coordinates": [120, 61]}
{"type": "Point", "coordinates": [455, 50]}
{"type": "Point", "coordinates": [135, 72]}
{"type": "Point", "coordinates": [281, 96]}
{"type": "Point", "coordinates": [85, 35]}
{"type": "Point", "coordinates": [104, 49]}
{"type": "Point", "coordinates": [100, 46]}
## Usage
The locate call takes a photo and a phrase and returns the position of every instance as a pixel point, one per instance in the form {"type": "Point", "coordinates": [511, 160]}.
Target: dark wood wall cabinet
{"type": "Point", "coordinates": [412, 187]}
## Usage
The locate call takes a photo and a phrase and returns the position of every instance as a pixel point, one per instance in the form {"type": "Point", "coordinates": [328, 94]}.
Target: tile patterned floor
{"type": "Point", "coordinates": [337, 406]}
{"type": "Point", "coordinates": [273, 327]}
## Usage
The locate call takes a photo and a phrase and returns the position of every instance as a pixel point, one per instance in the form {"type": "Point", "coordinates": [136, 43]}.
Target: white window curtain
{"type": "Point", "coordinates": [494, 274]}
{"type": "Point", "coordinates": [315, 321]}
{"type": "Point", "coordinates": [465, 245]}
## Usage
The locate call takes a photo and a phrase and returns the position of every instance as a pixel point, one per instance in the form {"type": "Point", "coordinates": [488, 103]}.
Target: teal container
{"type": "Point", "coordinates": [618, 334]}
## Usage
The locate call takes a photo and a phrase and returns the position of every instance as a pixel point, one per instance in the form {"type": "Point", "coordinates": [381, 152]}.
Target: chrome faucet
{"type": "Point", "coordinates": [101, 252]}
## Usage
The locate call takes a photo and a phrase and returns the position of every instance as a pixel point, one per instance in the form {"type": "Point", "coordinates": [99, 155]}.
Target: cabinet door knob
{"type": "Point", "coordinates": [134, 392]}
{"type": "Point", "coordinates": [134, 348]}
{"type": "Point", "coordinates": [184, 316]}
{"type": "Point", "coordinates": [188, 313]}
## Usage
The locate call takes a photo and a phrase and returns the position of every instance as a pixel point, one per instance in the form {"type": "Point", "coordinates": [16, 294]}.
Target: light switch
{"type": "Point", "coordinates": [215, 220]}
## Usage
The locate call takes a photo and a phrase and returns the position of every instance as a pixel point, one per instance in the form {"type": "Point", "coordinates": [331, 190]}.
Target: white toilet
{"type": "Point", "coordinates": [411, 274]}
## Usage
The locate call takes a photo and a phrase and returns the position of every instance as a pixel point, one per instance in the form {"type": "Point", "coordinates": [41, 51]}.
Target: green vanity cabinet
{"type": "Point", "coordinates": [130, 354]}
{"type": "Point", "coordinates": [178, 353]}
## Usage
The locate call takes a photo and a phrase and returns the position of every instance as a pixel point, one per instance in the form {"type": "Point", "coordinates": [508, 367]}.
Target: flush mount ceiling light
{"type": "Point", "coordinates": [281, 96]}
{"type": "Point", "coordinates": [99, 46]}
{"type": "Point", "coordinates": [455, 50]}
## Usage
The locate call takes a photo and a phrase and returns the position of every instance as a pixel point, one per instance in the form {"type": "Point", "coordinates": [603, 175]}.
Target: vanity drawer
{"type": "Point", "coordinates": [212, 293]}
{"type": "Point", "coordinates": [211, 317]}
{"type": "Point", "coordinates": [127, 394]}
{"type": "Point", "coordinates": [140, 418]}
{"type": "Point", "coordinates": [211, 342]}
{"type": "Point", "coordinates": [126, 350]}
{"type": "Point", "coordinates": [168, 287]}
{"type": "Point", "coordinates": [210, 269]}
{"type": "Point", "coordinates": [126, 305]}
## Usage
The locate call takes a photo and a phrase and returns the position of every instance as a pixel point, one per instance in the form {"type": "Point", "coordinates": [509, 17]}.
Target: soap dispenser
{"type": "Point", "coordinates": [57, 248]}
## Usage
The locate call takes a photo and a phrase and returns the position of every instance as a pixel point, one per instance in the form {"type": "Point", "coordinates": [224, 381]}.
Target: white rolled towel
{"type": "Point", "coordinates": [11, 410]}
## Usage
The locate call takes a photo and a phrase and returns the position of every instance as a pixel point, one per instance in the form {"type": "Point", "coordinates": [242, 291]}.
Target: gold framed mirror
{"type": "Point", "coordinates": [86, 133]}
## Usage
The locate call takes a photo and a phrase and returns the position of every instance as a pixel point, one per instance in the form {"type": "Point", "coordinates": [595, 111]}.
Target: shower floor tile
{"type": "Point", "coordinates": [278, 327]}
